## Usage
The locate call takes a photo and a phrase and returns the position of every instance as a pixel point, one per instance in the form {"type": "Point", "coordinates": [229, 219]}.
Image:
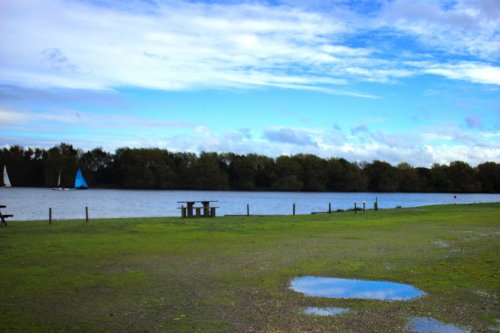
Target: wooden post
{"type": "Point", "coordinates": [329, 208]}
{"type": "Point", "coordinates": [293, 210]}
{"type": "Point", "coordinates": [190, 208]}
{"type": "Point", "coordinates": [248, 210]}
{"type": "Point", "coordinates": [183, 212]}
{"type": "Point", "coordinates": [355, 209]}
{"type": "Point", "coordinates": [364, 206]}
{"type": "Point", "coordinates": [206, 208]}
{"type": "Point", "coordinates": [50, 215]}
{"type": "Point", "coordinates": [375, 205]}
{"type": "Point", "coordinates": [212, 211]}
{"type": "Point", "coordinates": [86, 214]}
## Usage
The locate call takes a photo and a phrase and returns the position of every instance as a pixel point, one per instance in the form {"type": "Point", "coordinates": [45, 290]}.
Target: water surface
{"type": "Point", "coordinates": [351, 288]}
{"type": "Point", "coordinates": [34, 203]}
{"type": "Point", "coordinates": [328, 311]}
{"type": "Point", "coordinates": [430, 325]}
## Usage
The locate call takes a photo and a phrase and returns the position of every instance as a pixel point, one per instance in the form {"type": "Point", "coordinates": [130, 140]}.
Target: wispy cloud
{"type": "Point", "coordinates": [417, 149]}
{"type": "Point", "coordinates": [466, 27]}
{"type": "Point", "coordinates": [71, 119]}
{"type": "Point", "coordinates": [176, 45]}
{"type": "Point", "coordinates": [299, 137]}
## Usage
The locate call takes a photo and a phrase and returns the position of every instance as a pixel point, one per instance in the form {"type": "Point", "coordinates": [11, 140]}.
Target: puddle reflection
{"type": "Point", "coordinates": [350, 288]}
{"type": "Point", "coordinates": [329, 311]}
{"type": "Point", "coordinates": [430, 325]}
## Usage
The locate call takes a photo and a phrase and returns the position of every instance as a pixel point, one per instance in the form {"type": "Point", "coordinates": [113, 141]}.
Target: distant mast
{"type": "Point", "coordinates": [6, 181]}
{"type": "Point", "coordinates": [80, 183]}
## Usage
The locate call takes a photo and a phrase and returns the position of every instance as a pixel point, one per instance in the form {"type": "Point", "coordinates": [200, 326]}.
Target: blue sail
{"type": "Point", "coordinates": [80, 183]}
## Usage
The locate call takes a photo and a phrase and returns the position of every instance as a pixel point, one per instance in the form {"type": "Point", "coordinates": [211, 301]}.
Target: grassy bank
{"type": "Point", "coordinates": [231, 274]}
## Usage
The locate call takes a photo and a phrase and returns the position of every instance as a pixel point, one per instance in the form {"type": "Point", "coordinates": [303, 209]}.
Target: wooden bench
{"type": "Point", "coordinates": [3, 217]}
{"type": "Point", "coordinates": [203, 211]}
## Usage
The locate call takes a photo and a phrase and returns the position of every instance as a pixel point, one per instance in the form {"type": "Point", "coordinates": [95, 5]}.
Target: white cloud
{"type": "Point", "coordinates": [468, 27]}
{"type": "Point", "coordinates": [175, 45]}
{"type": "Point", "coordinates": [71, 119]}
{"type": "Point", "coordinates": [418, 150]}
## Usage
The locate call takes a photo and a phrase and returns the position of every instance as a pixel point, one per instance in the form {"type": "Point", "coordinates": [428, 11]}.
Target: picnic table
{"type": "Point", "coordinates": [4, 216]}
{"type": "Point", "coordinates": [190, 209]}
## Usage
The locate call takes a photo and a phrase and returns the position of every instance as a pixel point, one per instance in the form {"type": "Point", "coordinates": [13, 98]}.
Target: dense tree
{"type": "Point", "coordinates": [210, 172]}
{"type": "Point", "coordinates": [343, 176]}
{"type": "Point", "coordinates": [288, 173]}
{"type": "Point", "coordinates": [407, 177]}
{"type": "Point", "coordinates": [98, 166]}
{"type": "Point", "coordinates": [241, 172]}
{"type": "Point", "coordinates": [265, 174]}
{"type": "Point", "coordinates": [463, 177]}
{"type": "Point", "coordinates": [63, 160]}
{"type": "Point", "coordinates": [161, 169]}
{"type": "Point", "coordinates": [313, 172]}
{"type": "Point", "coordinates": [382, 176]}
{"type": "Point", "coordinates": [489, 176]}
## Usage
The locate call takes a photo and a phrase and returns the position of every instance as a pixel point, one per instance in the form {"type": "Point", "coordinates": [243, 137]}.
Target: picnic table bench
{"type": "Point", "coordinates": [3, 217]}
{"type": "Point", "coordinates": [190, 209]}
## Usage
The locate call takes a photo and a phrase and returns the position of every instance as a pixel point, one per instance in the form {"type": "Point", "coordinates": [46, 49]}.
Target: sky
{"type": "Point", "coordinates": [412, 81]}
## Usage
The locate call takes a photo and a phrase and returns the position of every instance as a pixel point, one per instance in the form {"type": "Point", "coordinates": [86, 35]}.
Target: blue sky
{"type": "Point", "coordinates": [396, 80]}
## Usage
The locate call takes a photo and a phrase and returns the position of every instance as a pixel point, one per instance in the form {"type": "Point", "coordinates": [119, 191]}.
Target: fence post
{"type": "Point", "coordinates": [248, 210]}
{"type": "Point", "coordinates": [375, 205]}
{"type": "Point", "coordinates": [329, 208]}
{"type": "Point", "coordinates": [86, 214]}
{"type": "Point", "coordinates": [364, 206]}
{"type": "Point", "coordinates": [355, 209]}
{"type": "Point", "coordinates": [50, 215]}
{"type": "Point", "coordinates": [293, 209]}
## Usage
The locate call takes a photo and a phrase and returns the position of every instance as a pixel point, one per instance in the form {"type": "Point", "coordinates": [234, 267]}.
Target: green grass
{"type": "Point", "coordinates": [231, 274]}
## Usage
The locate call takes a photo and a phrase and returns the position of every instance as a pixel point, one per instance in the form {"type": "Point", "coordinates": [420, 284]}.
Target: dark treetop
{"type": "Point", "coordinates": [155, 168]}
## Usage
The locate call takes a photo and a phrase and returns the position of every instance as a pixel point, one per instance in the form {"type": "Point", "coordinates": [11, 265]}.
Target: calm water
{"type": "Point", "coordinates": [328, 311]}
{"type": "Point", "coordinates": [34, 203]}
{"type": "Point", "coordinates": [430, 325]}
{"type": "Point", "coordinates": [352, 288]}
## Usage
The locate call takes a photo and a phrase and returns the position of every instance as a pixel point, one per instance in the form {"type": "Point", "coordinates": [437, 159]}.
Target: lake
{"type": "Point", "coordinates": [34, 203]}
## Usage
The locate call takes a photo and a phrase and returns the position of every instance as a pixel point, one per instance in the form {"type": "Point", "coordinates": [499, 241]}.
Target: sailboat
{"type": "Point", "coordinates": [6, 180]}
{"type": "Point", "coordinates": [59, 187]}
{"type": "Point", "coordinates": [80, 183]}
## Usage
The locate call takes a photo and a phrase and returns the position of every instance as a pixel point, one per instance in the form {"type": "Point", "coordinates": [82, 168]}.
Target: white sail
{"type": "Point", "coordinates": [6, 181]}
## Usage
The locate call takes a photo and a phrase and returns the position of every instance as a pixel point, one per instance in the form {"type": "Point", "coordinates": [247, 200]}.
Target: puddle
{"type": "Point", "coordinates": [430, 325]}
{"type": "Point", "coordinates": [442, 244]}
{"type": "Point", "coordinates": [388, 266]}
{"type": "Point", "coordinates": [330, 311]}
{"type": "Point", "coordinates": [350, 288]}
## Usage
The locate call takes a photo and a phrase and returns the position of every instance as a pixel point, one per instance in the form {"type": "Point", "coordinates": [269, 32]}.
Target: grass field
{"type": "Point", "coordinates": [232, 274]}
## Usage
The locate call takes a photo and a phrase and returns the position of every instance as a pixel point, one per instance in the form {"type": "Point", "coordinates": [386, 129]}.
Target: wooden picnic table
{"type": "Point", "coordinates": [189, 210]}
{"type": "Point", "coordinates": [3, 217]}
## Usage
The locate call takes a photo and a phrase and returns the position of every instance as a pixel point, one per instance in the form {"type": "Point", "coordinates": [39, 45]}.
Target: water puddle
{"type": "Point", "coordinates": [350, 288]}
{"type": "Point", "coordinates": [330, 311]}
{"type": "Point", "coordinates": [430, 325]}
{"type": "Point", "coordinates": [442, 244]}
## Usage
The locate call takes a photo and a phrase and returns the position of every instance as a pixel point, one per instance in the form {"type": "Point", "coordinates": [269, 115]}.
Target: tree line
{"type": "Point", "coordinates": [154, 168]}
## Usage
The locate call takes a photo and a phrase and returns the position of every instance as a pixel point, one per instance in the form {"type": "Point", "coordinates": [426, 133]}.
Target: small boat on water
{"type": "Point", "coordinates": [6, 180]}
{"type": "Point", "coordinates": [80, 183]}
{"type": "Point", "coordinates": [59, 187]}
